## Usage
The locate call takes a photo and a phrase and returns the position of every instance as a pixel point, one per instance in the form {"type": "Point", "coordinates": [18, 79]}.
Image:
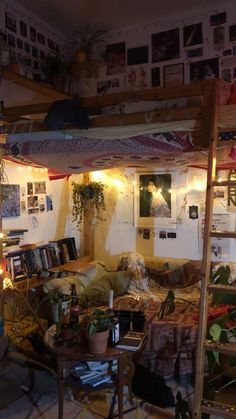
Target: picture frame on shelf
{"type": "Point", "coordinates": [155, 199]}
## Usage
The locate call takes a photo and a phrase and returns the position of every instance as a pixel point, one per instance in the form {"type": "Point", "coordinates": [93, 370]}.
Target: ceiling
{"type": "Point", "coordinates": [67, 16]}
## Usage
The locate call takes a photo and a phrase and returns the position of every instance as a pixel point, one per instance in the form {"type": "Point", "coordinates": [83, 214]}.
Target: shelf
{"type": "Point", "coordinates": [227, 289]}
{"type": "Point", "coordinates": [223, 348]}
{"type": "Point", "coordinates": [221, 409]}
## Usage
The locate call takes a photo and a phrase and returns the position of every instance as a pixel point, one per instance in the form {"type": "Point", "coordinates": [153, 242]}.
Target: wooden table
{"type": "Point", "coordinates": [78, 352]}
{"type": "Point", "coordinates": [75, 266]}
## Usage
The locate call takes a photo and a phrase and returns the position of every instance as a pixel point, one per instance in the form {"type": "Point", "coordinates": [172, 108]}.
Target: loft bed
{"type": "Point", "coordinates": [173, 129]}
{"type": "Point", "coordinates": [178, 135]}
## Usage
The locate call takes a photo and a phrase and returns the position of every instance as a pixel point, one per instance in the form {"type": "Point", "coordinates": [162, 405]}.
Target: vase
{"type": "Point", "coordinates": [97, 343]}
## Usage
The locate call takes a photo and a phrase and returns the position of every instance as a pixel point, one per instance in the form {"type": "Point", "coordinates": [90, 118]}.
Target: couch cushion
{"type": "Point", "coordinates": [180, 277]}
{"type": "Point", "coordinates": [97, 292]}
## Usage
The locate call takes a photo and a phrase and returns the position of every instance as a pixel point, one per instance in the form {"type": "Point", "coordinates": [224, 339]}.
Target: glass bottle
{"type": "Point", "coordinates": [74, 307]}
{"type": "Point", "coordinates": [114, 334]}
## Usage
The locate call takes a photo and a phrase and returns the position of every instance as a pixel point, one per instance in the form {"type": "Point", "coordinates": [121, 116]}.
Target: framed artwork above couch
{"type": "Point", "coordinates": [155, 199]}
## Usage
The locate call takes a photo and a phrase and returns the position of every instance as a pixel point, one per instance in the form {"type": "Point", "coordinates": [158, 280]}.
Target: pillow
{"type": "Point", "coordinates": [97, 269]}
{"type": "Point", "coordinates": [97, 292]}
{"type": "Point", "coordinates": [183, 276]}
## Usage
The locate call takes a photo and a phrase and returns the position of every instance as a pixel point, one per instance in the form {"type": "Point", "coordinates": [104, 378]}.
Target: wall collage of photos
{"type": "Point", "coordinates": [186, 53]}
{"type": "Point", "coordinates": [29, 43]}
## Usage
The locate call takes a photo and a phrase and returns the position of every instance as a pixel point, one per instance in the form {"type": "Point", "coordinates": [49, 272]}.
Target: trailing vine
{"type": "Point", "coordinates": [88, 200]}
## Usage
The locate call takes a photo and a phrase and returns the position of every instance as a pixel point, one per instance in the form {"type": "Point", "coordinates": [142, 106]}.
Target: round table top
{"type": "Point", "coordinates": [78, 351]}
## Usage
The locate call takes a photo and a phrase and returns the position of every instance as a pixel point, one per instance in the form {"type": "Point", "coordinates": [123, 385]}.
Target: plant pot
{"type": "Point", "coordinates": [97, 343]}
{"type": "Point", "coordinates": [66, 332]}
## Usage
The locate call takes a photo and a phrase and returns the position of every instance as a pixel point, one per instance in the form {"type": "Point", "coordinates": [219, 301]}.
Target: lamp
{"type": "Point", "coordinates": [232, 153]}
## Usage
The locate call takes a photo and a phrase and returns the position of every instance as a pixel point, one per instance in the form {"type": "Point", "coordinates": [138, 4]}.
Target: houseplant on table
{"type": "Point", "coordinates": [88, 200]}
{"type": "Point", "coordinates": [99, 323]}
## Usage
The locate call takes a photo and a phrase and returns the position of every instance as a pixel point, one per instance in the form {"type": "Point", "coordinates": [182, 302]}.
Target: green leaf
{"type": "Point", "coordinates": [215, 332]}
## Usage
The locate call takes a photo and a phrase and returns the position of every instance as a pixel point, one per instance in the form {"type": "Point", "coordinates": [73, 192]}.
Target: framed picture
{"type": "Point", "coordinates": [155, 200]}
{"type": "Point", "coordinates": [203, 70]}
{"type": "Point", "coordinates": [10, 201]}
{"type": "Point", "coordinates": [165, 45]}
{"type": "Point", "coordinates": [174, 75]}
{"type": "Point", "coordinates": [115, 58]}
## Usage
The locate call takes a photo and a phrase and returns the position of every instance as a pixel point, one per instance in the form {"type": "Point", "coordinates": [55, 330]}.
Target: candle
{"type": "Point", "coordinates": [111, 296]}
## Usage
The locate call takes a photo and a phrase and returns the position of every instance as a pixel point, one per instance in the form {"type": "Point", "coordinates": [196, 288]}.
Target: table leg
{"type": "Point", "coordinates": [120, 387]}
{"type": "Point", "coordinates": [60, 381]}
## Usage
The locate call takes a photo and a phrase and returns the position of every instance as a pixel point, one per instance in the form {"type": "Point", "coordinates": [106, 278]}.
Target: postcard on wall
{"type": "Point", "coordinates": [33, 201]}
{"type": "Point", "coordinates": [219, 38]}
{"type": "Point", "coordinates": [219, 246]}
{"type": "Point", "coordinates": [155, 200]}
{"type": "Point", "coordinates": [49, 204]}
{"type": "Point", "coordinates": [156, 81]}
{"type": "Point", "coordinates": [10, 201]}
{"type": "Point", "coordinates": [30, 189]}
{"type": "Point", "coordinates": [165, 45]}
{"type": "Point", "coordinates": [218, 19]}
{"type": "Point", "coordinates": [137, 77]}
{"type": "Point", "coordinates": [174, 75]}
{"type": "Point", "coordinates": [10, 21]}
{"type": "Point", "coordinates": [39, 187]}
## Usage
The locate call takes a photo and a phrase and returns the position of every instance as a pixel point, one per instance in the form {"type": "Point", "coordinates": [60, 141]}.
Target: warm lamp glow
{"type": "Point", "coordinates": [7, 282]}
{"type": "Point", "coordinates": [98, 176]}
{"type": "Point", "coordinates": [1, 235]}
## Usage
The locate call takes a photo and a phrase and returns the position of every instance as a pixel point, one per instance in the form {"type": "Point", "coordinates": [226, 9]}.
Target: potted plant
{"type": "Point", "coordinates": [88, 200]}
{"type": "Point", "coordinates": [60, 306]}
{"type": "Point", "coordinates": [55, 69]}
{"type": "Point", "coordinates": [85, 41]}
{"type": "Point", "coordinates": [99, 323]}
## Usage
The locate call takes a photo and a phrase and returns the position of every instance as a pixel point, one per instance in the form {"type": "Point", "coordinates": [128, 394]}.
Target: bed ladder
{"type": "Point", "coordinates": [200, 404]}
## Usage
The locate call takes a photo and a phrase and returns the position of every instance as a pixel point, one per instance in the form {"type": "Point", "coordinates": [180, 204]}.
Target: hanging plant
{"type": "Point", "coordinates": [88, 200]}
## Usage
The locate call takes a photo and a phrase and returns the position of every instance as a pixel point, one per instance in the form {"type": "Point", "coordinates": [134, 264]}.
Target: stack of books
{"type": "Point", "coordinates": [93, 373]}
{"type": "Point", "coordinates": [131, 341]}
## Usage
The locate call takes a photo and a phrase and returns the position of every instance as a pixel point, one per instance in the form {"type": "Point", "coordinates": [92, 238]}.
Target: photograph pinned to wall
{"type": "Point", "coordinates": [227, 52]}
{"type": "Point", "coordinates": [49, 204]}
{"type": "Point", "coordinates": [19, 43]}
{"type": "Point", "coordinates": [156, 80]}
{"type": "Point", "coordinates": [193, 212]}
{"type": "Point", "coordinates": [39, 187]}
{"type": "Point", "coordinates": [42, 203]}
{"type": "Point", "coordinates": [35, 53]}
{"type": "Point", "coordinates": [103, 86]}
{"type": "Point", "coordinates": [51, 44]}
{"type": "Point", "coordinates": [32, 202]}
{"type": "Point", "coordinates": [226, 74]}
{"type": "Point", "coordinates": [115, 58]}
{"type": "Point", "coordinates": [232, 33]}
{"type": "Point", "coordinates": [10, 21]}
{"type": "Point", "coordinates": [174, 75]}
{"type": "Point", "coordinates": [218, 19]}
{"type": "Point", "coordinates": [11, 40]}
{"type": "Point", "coordinates": [10, 201]}
{"type": "Point", "coordinates": [138, 55]}
{"type": "Point", "coordinates": [30, 189]}
{"type": "Point", "coordinates": [171, 235]}
{"type": "Point", "coordinates": [23, 205]}
{"type": "Point", "coordinates": [195, 52]}
{"type": "Point", "coordinates": [193, 35]}
{"type": "Point", "coordinates": [32, 34]}
{"type": "Point", "coordinates": [27, 47]}
{"type": "Point", "coordinates": [41, 38]}
{"type": "Point", "coordinates": [23, 191]}
{"type": "Point", "coordinates": [165, 45]}
{"type": "Point", "coordinates": [23, 29]}
{"type": "Point", "coordinates": [219, 246]}
{"type": "Point", "coordinates": [137, 77]}
{"type": "Point", "coordinates": [203, 70]}
{"type": "Point", "coordinates": [219, 38]}
{"type": "Point", "coordinates": [155, 200]}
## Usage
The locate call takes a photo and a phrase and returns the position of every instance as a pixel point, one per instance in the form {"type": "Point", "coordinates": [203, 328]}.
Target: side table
{"type": "Point", "coordinates": [77, 352]}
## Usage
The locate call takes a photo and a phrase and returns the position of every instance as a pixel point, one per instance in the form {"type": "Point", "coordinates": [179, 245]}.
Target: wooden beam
{"type": "Point", "coordinates": [33, 85]}
{"type": "Point", "coordinates": [179, 114]}
{"type": "Point", "coordinates": [95, 101]}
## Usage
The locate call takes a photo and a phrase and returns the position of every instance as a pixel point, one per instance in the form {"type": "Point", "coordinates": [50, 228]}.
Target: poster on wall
{"type": "Point", "coordinates": [219, 38]}
{"type": "Point", "coordinates": [10, 201]}
{"type": "Point", "coordinates": [193, 35]}
{"type": "Point", "coordinates": [165, 45]}
{"type": "Point", "coordinates": [204, 70]}
{"type": "Point", "coordinates": [138, 55]}
{"type": "Point", "coordinates": [137, 77]}
{"type": "Point", "coordinates": [219, 246]}
{"type": "Point", "coordinates": [156, 81]}
{"type": "Point", "coordinates": [155, 202]}
{"type": "Point", "coordinates": [10, 21]}
{"type": "Point", "coordinates": [115, 58]}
